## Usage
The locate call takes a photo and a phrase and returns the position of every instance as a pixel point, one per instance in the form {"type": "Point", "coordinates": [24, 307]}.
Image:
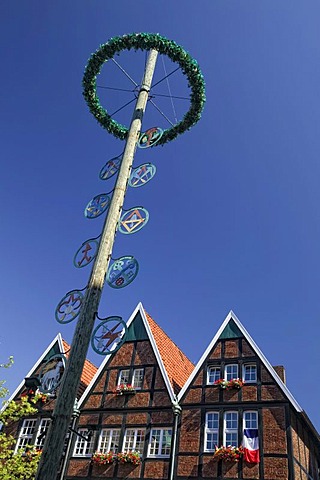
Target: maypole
{"type": "Point", "coordinates": [88, 303]}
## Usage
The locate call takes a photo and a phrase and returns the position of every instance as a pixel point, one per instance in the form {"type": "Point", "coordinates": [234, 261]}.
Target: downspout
{"type": "Point", "coordinates": [177, 412]}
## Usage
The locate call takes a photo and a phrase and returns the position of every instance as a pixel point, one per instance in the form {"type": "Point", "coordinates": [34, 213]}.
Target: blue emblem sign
{"type": "Point", "coordinates": [69, 307]}
{"type": "Point", "coordinates": [122, 272]}
{"type": "Point", "coordinates": [51, 373]}
{"type": "Point", "coordinates": [97, 206]}
{"type": "Point", "coordinates": [110, 168]}
{"type": "Point", "coordinates": [109, 335]}
{"type": "Point", "coordinates": [150, 137]}
{"type": "Point", "coordinates": [142, 175]}
{"type": "Point", "coordinates": [133, 220]}
{"type": "Point", "coordinates": [86, 253]}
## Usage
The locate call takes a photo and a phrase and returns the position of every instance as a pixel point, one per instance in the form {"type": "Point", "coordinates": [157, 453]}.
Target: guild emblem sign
{"type": "Point", "coordinates": [69, 307]}
{"type": "Point", "coordinates": [110, 168]}
{"type": "Point", "coordinates": [51, 373]}
{"type": "Point", "coordinates": [142, 175]}
{"type": "Point", "coordinates": [150, 137]}
{"type": "Point", "coordinates": [109, 335]}
{"type": "Point", "coordinates": [133, 220]}
{"type": "Point", "coordinates": [86, 253]}
{"type": "Point", "coordinates": [122, 272]}
{"type": "Point", "coordinates": [97, 206]}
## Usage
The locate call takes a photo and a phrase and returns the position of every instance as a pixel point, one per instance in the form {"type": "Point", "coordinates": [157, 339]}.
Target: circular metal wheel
{"type": "Point", "coordinates": [144, 42]}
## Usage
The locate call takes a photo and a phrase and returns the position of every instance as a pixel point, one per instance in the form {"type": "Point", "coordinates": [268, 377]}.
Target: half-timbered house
{"type": "Point", "coordinates": [149, 413]}
{"type": "Point", "coordinates": [232, 390]}
{"type": "Point", "coordinates": [139, 419]}
{"type": "Point", "coordinates": [32, 430]}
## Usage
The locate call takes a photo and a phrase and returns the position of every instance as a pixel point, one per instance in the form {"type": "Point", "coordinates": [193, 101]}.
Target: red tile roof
{"type": "Point", "coordinates": [88, 371]}
{"type": "Point", "coordinates": [177, 365]}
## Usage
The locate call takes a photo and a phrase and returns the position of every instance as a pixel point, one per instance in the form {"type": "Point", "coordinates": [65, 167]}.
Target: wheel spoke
{"type": "Point", "coordinates": [152, 86]}
{"type": "Point", "coordinates": [157, 108]}
{"type": "Point", "coordinates": [168, 96]}
{"type": "Point", "coordinates": [125, 105]}
{"type": "Point", "coordinates": [123, 71]}
{"type": "Point", "coordinates": [114, 88]}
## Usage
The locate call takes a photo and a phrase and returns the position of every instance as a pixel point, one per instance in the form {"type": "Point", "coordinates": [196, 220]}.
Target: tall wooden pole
{"type": "Point", "coordinates": [54, 444]}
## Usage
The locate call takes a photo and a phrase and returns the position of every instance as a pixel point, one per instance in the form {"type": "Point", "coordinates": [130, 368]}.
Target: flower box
{"type": "Point", "coordinates": [234, 383]}
{"type": "Point", "coordinates": [110, 457]}
{"type": "Point", "coordinates": [125, 389]}
{"type": "Point", "coordinates": [221, 383]}
{"type": "Point", "coordinates": [103, 458]}
{"type": "Point", "coordinates": [228, 454]}
{"type": "Point", "coordinates": [129, 457]}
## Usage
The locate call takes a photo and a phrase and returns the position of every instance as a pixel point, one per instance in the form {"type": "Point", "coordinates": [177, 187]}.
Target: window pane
{"type": "Point", "coordinates": [134, 440]}
{"type": "Point", "coordinates": [166, 442]}
{"type": "Point", "coordinates": [213, 374]}
{"type": "Point", "coordinates": [211, 431]}
{"type": "Point", "coordinates": [231, 371]}
{"type": "Point", "coordinates": [213, 420]}
{"type": "Point", "coordinates": [84, 445]}
{"type": "Point", "coordinates": [26, 433]}
{"type": "Point", "coordinates": [155, 441]}
{"type": "Point", "coordinates": [139, 441]}
{"type": "Point", "coordinates": [128, 443]}
{"type": "Point", "coordinates": [109, 440]}
{"type": "Point", "coordinates": [250, 420]}
{"type": "Point", "coordinates": [124, 376]}
{"type": "Point", "coordinates": [250, 373]}
{"type": "Point", "coordinates": [160, 442]}
{"type": "Point", "coordinates": [137, 379]}
{"type": "Point", "coordinates": [231, 429]}
{"type": "Point", "coordinates": [232, 420]}
{"type": "Point", "coordinates": [104, 441]}
{"type": "Point", "coordinates": [41, 435]}
{"type": "Point", "coordinates": [231, 439]}
{"type": "Point", "coordinates": [212, 441]}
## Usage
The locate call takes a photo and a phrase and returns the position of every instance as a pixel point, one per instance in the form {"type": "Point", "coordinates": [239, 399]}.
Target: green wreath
{"type": "Point", "coordinates": [144, 41]}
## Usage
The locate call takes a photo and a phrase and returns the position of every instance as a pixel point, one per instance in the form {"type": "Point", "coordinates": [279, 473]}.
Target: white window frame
{"type": "Point", "coordinates": [43, 428]}
{"type": "Point", "coordinates": [85, 447]}
{"type": "Point", "coordinates": [111, 443]}
{"type": "Point", "coordinates": [226, 373]}
{"type": "Point", "coordinates": [157, 449]}
{"type": "Point", "coordinates": [134, 440]}
{"type": "Point", "coordinates": [28, 430]}
{"type": "Point", "coordinates": [248, 365]}
{"type": "Point", "coordinates": [230, 430]}
{"type": "Point", "coordinates": [26, 433]}
{"type": "Point", "coordinates": [124, 373]}
{"type": "Point", "coordinates": [248, 423]}
{"type": "Point", "coordinates": [137, 378]}
{"type": "Point", "coordinates": [209, 370]}
{"type": "Point", "coordinates": [209, 430]}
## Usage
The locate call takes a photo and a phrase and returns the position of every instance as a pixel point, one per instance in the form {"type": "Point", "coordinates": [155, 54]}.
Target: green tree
{"type": "Point", "coordinates": [22, 465]}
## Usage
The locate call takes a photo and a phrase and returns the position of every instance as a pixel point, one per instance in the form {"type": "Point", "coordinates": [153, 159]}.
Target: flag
{"type": "Point", "coordinates": [251, 445]}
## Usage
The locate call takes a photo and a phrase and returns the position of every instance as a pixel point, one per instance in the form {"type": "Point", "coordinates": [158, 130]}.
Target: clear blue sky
{"type": "Point", "coordinates": [234, 207]}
